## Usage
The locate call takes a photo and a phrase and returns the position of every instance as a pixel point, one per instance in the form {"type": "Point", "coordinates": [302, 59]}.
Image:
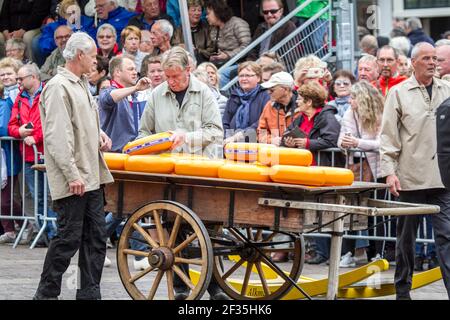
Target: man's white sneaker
{"type": "Point", "coordinates": [347, 261]}
{"type": "Point", "coordinates": [107, 262]}
{"type": "Point", "coordinates": [376, 258]}
{"type": "Point", "coordinates": [141, 264]}
{"type": "Point", "coordinates": [7, 237]}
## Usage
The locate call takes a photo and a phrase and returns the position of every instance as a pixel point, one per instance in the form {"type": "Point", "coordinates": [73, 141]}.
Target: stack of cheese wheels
{"type": "Point", "coordinates": [198, 167]}
{"type": "Point", "coordinates": [115, 161]}
{"type": "Point", "coordinates": [270, 155]}
{"type": "Point", "coordinates": [244, 171]}
{"type": "Point", "coordinates": [150, 164]}
{"type": "Point", "coordinates": [148, 145]}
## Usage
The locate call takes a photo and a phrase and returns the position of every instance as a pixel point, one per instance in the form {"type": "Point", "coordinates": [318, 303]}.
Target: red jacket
{"type": "Point", "coordinates": [384, 86]}
{"type": "Point", "coordinates": [27, 114]}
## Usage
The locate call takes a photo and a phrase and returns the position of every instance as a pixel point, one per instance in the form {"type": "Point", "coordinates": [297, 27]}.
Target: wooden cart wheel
{"type": "Point", "coordinates": [174, 236]}
{"type": "Point", "coordinates": [247, 275]}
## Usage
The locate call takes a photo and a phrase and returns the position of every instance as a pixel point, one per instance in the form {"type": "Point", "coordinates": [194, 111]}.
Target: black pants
{"type": "Point", "coordinates": [81, 226]}
{"type": "Point", "coordinates": [406, 238]}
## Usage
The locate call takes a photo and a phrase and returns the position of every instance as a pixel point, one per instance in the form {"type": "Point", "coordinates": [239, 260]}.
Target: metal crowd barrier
{"type": "Point", "coordinates": [26, 219]}
{"type": "Point", "coordinates": [389, 234]}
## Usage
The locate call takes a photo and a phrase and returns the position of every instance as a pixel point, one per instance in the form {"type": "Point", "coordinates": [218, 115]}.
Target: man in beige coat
{"type": "Point", "coordinates": [409, 161]}
{"type": "Point", "coordinates": [73, 144]}
{"type": "Point", "coordinates": [187, 107]}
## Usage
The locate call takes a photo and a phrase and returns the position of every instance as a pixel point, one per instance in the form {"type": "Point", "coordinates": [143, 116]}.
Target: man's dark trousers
{"type": "Point", "coordinates": [406, 238]}
{"type": "Point", "coordinates": [81, 226]}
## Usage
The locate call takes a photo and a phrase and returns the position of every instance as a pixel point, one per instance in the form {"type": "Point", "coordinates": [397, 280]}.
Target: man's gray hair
{"type": "Point", "coordinates": [78, 41]}
{"type": "Point", "coordinates": [368, 59]}
{"type": "Point", "coordinates": [413, 23]}
{"type": "Point", "coordinates": [32, 68]}
{"type": "Point", "coordinates": [401, 44]}
{"type": "Point", "coordinates": [64, 26]}
{"type": "Point", "coordinates": [176, 56]}
{"type": "Point", "coordinates": [416, 49]}
{"type": "Point", "coordinates": [166, 27]}
{"type": "Point", "coordinates": [16, 43]}
{"type": "Point", "coordinates": [109, 27]}
{"type": "Point", "coordinates": [442, 42]}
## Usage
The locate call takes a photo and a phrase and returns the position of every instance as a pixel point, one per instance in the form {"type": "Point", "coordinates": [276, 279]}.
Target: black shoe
{"type": "Point", "coordinates": [220, 295]}
{"type": "Point", "coordinates": [403, 297]}
{"type": "Point", "coordinates": [39, 296]}
{"type": "Point", "coordinates": [181, 294]}
{"type": "Point", "coordinates": [317, 259]}
{"type": "Point", "coordinates": [433, 263]}
{"type": "Point", "coordinates": [418, 263]}
{"type": "Point", "coordinates": [43, 241]}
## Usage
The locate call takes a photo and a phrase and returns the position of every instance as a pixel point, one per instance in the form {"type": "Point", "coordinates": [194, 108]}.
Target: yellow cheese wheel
{"type": "Point", "coordinates": [115, 161]}
{"type": "Point", "coordinates": [244, 171]}
{"type": "Point", "coordinates": [271, 156]}
{"type": "Point", "coordinates": [198, 167]}
{"type": "Point", "coordinates": [241, 151]}
{"type": "Point", "coordinates": [183, 156]}
{"type": "Point", "coordinates": [338, 176]}
{"type": "Point", "coordinates": [150, 164]}
{"type": "Point", "coordinates": [308, 176]}
{"type": "Point", "coordinates": [150, 144]}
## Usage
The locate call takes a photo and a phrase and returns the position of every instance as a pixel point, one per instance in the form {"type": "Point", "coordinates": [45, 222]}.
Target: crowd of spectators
{"type": "Point", "coordinates": [342, 109]}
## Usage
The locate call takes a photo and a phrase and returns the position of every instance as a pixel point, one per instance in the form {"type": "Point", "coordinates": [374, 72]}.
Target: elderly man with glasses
{"type": "Point", "coordinates": [48, 70]}
{"type": "Point", "coordinates": [387, 59]}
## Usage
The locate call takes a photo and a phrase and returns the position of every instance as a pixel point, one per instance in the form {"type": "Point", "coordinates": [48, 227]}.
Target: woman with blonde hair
{"type": "Point", "coordinates": [361, 125]}
{"type": "Point", "coordinates": [311, 68]}
{"type": "Point", "coordinates": [213, 78]}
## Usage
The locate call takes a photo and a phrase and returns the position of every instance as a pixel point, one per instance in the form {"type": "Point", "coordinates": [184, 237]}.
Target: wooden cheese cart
{"type": "Point", "coordinates": [228, 228]}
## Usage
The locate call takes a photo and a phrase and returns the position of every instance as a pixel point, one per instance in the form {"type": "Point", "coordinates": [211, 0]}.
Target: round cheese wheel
{"type": "Point", "coordinates": [308, 176]}
{"type": "Point", "coordinates": [150, 144]}
{"type": "Point", "coordinates": [271, 156]}
{"type": "Point", "coordinates": [115, 161]}
{"type": "Point", "coordinates": [150, 164]}
{"type": "Point", "coordinates": [338, 176]}
{"type": "Point", "coordinates": [198, 167]}
{"type": "Point", "coordinates": [244, 171]}
{"type": "Point", "coordinates": [240, 151]}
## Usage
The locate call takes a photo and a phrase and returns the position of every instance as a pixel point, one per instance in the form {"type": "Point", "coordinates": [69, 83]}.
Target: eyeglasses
{"type": "Point", "coordinates": [246, 75]}
{"type": "Point", "coordinates": [272, 11]}
{"type": "Point", "coordinates": [21, 78]}
{"type": "Point", "coordinates": [342, 83]}
{"type": "Point", "coordinates": [12, 50]}
{"type": "Point", "coordinates": [105, 36]}
{"type": "Point", "coordinates": [67, 36]}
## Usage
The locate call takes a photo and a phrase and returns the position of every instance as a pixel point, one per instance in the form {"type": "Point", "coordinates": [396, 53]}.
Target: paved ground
{"type": "Point", "coordinates": [21, 268]}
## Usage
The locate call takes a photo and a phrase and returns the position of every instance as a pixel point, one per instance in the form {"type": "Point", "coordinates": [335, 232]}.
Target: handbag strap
{"type": "Point", "coordinates": [358, 132]}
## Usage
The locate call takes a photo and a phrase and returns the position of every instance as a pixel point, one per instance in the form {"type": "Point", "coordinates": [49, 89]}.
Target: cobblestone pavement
{"type": "Point", "coordinates": [21, 268]}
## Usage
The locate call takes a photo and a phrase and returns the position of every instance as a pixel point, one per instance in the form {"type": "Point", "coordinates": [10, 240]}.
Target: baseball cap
{"type": "Point", "coordinates": [280, 78]}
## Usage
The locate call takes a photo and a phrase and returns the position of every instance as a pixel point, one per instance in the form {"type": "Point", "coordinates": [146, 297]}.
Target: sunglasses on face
{"type": "Point", "coordinates": [272, 11]}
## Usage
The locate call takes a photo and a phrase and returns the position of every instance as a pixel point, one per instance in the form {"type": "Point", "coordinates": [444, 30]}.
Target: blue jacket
{"type": "Point", "coordinates": [47, 41]}
{"type": "Point", "coordinates": [120, 121]}
{"type": "Point", "coordinates": [256, 108]}
{"type": "Point", "coordinates": [118, 18]}
{"type": "Point", "coordinates": [5, 113]}
{"type": "Point", "coordinates": [419, 35]}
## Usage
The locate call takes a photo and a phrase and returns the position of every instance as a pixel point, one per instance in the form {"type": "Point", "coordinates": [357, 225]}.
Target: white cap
{"type": "Point", "coordinates": [280, 78]}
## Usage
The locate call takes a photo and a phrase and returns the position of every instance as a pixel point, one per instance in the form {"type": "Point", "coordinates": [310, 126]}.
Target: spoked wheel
{"type": "Point", "coordinates": [170, 236]}
{"type": "Point", "coordinates": [248, 275]}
